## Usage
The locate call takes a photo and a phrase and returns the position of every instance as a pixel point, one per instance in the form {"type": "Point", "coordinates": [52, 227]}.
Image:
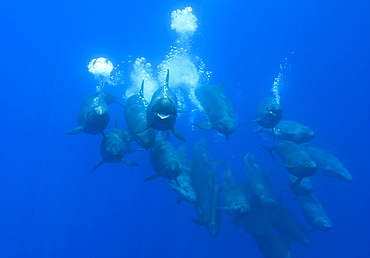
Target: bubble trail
{"type": "Point", "coordinates": [280, 81]}
{"type": "Point", "coordinates": [186, 69]}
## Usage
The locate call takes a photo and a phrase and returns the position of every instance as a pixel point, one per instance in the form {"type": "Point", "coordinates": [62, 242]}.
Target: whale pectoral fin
{"type": "Point", "coordinates": [178, 200]}
{"type": "Point", "coordinates": [287, 165]}
{"type": "Point", "coordinates": [197, 222]}
{"type": "Point", "coordinates": [269, 151]}
{"type": "Point", "coordinates": [170, 184]}
{"type": "Point", "coordinates": [254, 121]}
{"type": "Point", "coordinates": [151, 177]}
{"type": "Point", "coordinates": [76, 130]}
{"type": "Point", "coordinates": [204, 126]}
{"type": "Point", "coordinates": [98, 165]}
{"type": "Point", "coordinates": [119, 103]}
{"type": "Point", "coordinates": [297, 182]}
{"type": "Point", "coordinates": [227, 137]}
{"type": "Point", "coordinates": [102, 133]}
{"type": "Point", "coordinates": [178, 134]}
{"type": "Point", "coordinates": [129, 162]}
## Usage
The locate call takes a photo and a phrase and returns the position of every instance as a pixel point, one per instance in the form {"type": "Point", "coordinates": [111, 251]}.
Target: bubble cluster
{"type": "Point", "coordinates": [182, 68]}
{"type": "Point", "coordinates": [184, 22]}
{"type": "Point", "coordinates": [185, 72]}
{"type": "Point", "coordinates": [142, 70]}
{"type": "Point", "coordinates": [102, 68]}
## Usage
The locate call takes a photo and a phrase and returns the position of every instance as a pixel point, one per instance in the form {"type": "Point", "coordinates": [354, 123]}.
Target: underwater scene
{"type": "Point", "coordinates": [185, 129]}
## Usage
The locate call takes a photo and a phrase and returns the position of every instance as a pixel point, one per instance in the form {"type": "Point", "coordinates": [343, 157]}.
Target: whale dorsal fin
{"type": "Point", "coordinates": [168, 78]}
{"type": "Point", "coordinates": [141, 92]}
{"type": "Point", "coordinates": [166, 88]}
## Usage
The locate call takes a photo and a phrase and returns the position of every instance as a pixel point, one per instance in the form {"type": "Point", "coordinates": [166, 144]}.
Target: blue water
{"type": "Point", "coordinates": [52, 206]}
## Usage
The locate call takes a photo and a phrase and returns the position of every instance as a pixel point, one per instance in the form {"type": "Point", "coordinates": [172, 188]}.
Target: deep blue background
{"type": "Point", "coordinates": [52, 206]}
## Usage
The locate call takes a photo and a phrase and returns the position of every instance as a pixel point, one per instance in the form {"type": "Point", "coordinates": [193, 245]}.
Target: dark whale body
{"type": "Point", "coordinates": [164, 160]}
{"type": "Point", "coordinates": [259, 182]}
{"type": "Point", "coordinates": [235, 198]}
{"type": "Point", "coordinates": [287, 224]}
{"type": "Point", "coordinates": [315, 213]}
{"type": "Point", "coordinates": [270, 244]}
{"type": "Point", "coordinates": [93, 116]}
{"type": "Point", "coordinates": [162, 110]}
{"type": "Point", "coordinates": [135, 116]}
{"type": "Point", "coordinates": [184, 185]}
{"type": "Point", "coordinates": [217, 107]}
{"type": "Point", "coordinates": [304, 188]}
{"type": "Point", "coordinates": [114, 147]}
{"type": "Point", "coordinates": [208, 198]}
{"type": "Point", "coordinates": [296, 160]}
{"type": "Point", "coordinates": [269, 114]}
{"type": "Point", "coordinates": [290, 131]}
{"type": "Point", "coordinates": [328, 162]}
